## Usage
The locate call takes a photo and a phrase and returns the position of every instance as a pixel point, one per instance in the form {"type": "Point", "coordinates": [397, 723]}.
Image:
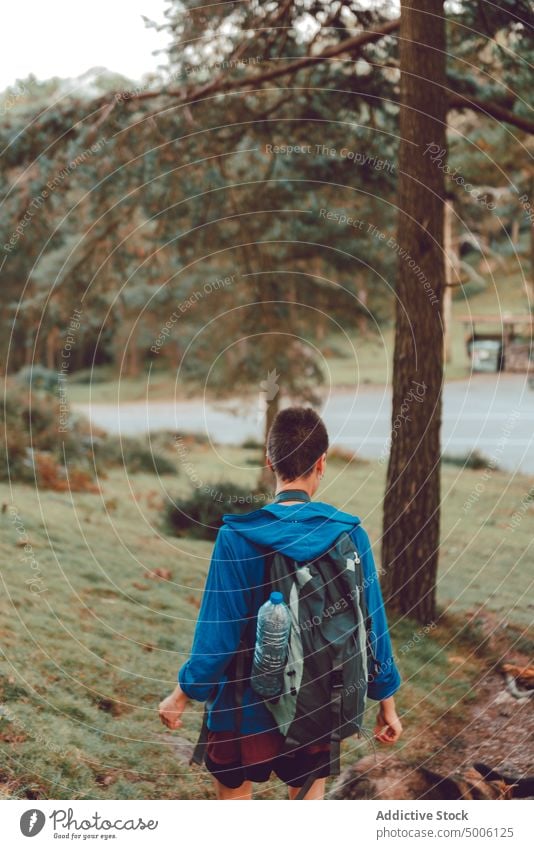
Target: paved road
{"type": "Point", "coordinates": [494, 414]}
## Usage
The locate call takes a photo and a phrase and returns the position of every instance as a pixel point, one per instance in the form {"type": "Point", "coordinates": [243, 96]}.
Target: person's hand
{"type": "Point", "coordinates": [388, 726]}
{"type": "Point", "coordinates": [171, 708]}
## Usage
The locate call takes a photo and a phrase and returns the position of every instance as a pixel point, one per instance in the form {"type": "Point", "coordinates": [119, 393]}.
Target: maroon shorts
{"type": "Point", "coordinates": [252, 757]}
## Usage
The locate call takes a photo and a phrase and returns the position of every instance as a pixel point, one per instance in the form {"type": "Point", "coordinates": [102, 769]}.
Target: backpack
{"type": "Point", "coordinates": [330, 658]}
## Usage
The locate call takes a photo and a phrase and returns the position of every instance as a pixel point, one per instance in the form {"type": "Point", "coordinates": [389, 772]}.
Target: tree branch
{"type": "Point", "coordinates": [492, 110]}
{"type": "Point", "coordinates": [221, 83]}
{"type": "Point", "coordinates": [346, 46]}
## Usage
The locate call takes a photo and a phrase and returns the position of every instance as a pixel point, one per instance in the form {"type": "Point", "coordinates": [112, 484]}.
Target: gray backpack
{"type": "Point", "coordinates": [330, 659]}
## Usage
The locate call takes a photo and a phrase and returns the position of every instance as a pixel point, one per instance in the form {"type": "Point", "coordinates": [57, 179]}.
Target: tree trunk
{"type": "Point", "coordinates": [321, 321]}
{"type": "Point", "coordinates": [51, 347]}
{"type": "Point", "coordinates": [361, 292]}
{"type": "Point", "coordinates": [411, 504]}
{"type": "Point", "coordinates": [266, 480]}
{"type": "Point", "coordinates": [447, 318]}
{"type": "Point", "coordinates": [134, 366]}
{"type": "Point", "coordinates": [530, 285]}
{"type": "Point", "coordinates": [451, 266]}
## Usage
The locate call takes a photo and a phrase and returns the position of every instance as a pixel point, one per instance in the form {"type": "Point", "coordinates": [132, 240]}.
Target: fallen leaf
{"type": "Point", "coordinates": [163, 574]}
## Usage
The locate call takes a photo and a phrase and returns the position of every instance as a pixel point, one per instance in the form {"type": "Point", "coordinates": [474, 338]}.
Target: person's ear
{"type": "Point", "coordinates": [269, 464]}
{"type": "Point", "coordinates": [320, 466]}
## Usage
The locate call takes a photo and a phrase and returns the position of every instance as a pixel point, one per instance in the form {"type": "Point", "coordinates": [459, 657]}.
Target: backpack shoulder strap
{"type": "Point", "coordinates": [199, 752]}
{"type": "Point", "coordinates": [344, 545]}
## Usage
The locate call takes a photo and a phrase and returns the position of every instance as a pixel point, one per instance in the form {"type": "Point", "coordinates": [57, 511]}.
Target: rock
{"type": "Point", "coordinates": [384, 776]}
{"type": "Point", "coordinates": [182, 748]}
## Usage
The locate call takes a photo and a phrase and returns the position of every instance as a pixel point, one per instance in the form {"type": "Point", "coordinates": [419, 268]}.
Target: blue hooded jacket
{"type": "Point", "coordinates": [234, 592]}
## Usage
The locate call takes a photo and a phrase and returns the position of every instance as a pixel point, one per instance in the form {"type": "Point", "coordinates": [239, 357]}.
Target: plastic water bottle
{"type": "Point", "coordinates": [270, 652]}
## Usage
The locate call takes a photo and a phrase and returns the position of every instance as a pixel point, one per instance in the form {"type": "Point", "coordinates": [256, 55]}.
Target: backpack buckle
{"type": "Point", "coordinates": [337, 678]}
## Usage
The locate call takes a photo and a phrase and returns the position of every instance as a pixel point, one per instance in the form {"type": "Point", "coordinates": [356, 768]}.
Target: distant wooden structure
{"type": "Point", "coordinates": [516, 333]}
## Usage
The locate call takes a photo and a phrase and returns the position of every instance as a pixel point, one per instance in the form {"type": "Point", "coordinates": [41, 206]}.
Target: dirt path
{"type": "Point", "coordinates": [497, 729]}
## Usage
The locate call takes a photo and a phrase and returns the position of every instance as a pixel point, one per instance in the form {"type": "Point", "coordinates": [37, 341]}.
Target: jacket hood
{"type": "Point", "coordinates": [300, 531]}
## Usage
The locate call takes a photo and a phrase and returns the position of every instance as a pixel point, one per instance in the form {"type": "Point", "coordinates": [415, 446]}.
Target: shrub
{"type": "Point", "coordinates": [470, 289]}
{"type": "Point", "coordinates": [200, 514]}
{"type": "Point", "coordinates": [90, 376]}
{"type": "Point", "coordinates": [30, 422]}
{"type": "Point", "coordinates": [473, 460]}
{"type": "Point", "coordinates": [344, 455]}
{"type": "Point", "coordinates": [36, 449]}
{"type": "Point", "coordinates": [50, 474]}
{"type": "Point", "coordinates": [167, 440]}
{"type": "Point", "coordinates": [252, 443]}
{"type": "Point", "coordinates": [38, 377]}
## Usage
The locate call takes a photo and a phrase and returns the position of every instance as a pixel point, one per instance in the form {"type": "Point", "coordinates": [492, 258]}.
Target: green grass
{"type": "Point", "coordinates": [351, 359]}
{"type": "Point", "coordinates": [106, 388]}
{"type": "Point", "coordinates": [370, 360]}
{"type": "Point", "coordinates": [86, 660]}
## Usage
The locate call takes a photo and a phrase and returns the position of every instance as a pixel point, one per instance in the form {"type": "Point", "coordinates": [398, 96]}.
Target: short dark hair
{"type": "Point", "coordinates": [296, 440]}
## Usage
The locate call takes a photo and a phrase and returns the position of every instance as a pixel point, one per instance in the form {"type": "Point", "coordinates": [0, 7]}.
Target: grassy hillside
{"type": "Point", "coordinates": [348, 360]}
{"type": "Point", "coordinates": [90, 642]}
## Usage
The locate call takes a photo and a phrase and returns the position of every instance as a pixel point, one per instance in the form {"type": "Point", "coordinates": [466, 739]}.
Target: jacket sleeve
{"type": "Point", "coordinates": [223, 615]}
{"type": "Point", "coordinates": [387, 680]}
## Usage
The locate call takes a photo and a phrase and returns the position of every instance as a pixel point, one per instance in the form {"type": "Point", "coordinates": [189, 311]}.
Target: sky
{"type": "Point", "coordinates": [67, 37]}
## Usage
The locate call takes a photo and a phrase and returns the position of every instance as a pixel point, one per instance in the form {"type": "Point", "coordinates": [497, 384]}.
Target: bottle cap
{"type": "Point", "coordinates": [276, 598]}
